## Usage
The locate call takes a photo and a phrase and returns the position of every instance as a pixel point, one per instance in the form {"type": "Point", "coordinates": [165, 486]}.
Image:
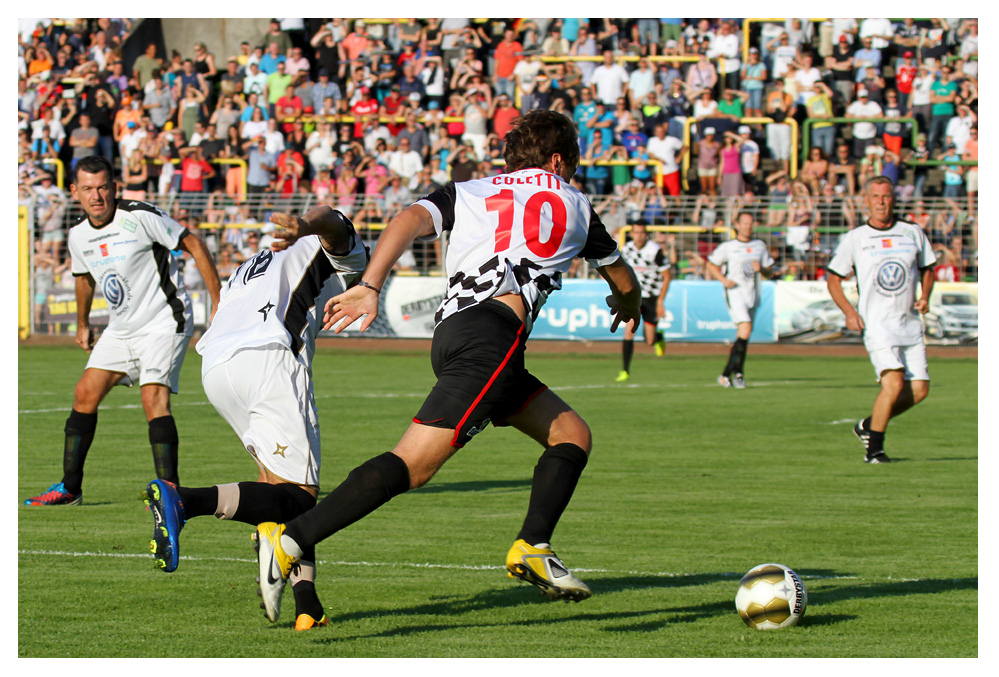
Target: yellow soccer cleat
{"type": "Point", "coordinates": [543, 569]}
{"type": "Point", "coordinates": [623, 376]}
{"type": "Point", "coordinates": [306, 622]}
{"type": "Point", "coordinates": [274, 565]}
{"type": "Point", "coordinates": [660, 347]}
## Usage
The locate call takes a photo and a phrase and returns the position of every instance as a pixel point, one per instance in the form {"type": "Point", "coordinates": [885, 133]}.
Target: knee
{"type": "Point", "coordinates": [575, 431]}
{"type": "Point", "coordinates": [920, 389]}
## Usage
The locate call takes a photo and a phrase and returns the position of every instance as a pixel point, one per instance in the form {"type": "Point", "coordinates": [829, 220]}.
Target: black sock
{"type": "Point", "coordinates": [199, 501]}
{"type": "Point", "coordinates": [741, 346]}
{"type": "Point", "coordinates": [876, 444]}
{"type": "Point", "coordinates": [79, 430]}
{"type": "Point", "coordinates": [659, 337]}
{"type": "Point", "coordinates": [164, 441]}
{"type": "Point", "coordinates": [866, 424]}
{"type": "Point", "coordinates": [736, 357]}
{"type": "Point", "coordinates": [627, 351]}
{"type": "Point", "coordinates": [368, 486]}
{"type": "Point", "coordinates": [555, 478]}
{"type": "Point", "coordinates": [306, 600]}
{"type": "Point", "coordinates": [261, 502]}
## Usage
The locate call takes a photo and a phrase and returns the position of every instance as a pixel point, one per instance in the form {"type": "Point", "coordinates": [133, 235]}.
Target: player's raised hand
{"type": "Point", "coordinates": [344, 309]}
{"type": "Point", "coordinates": [289, 229]}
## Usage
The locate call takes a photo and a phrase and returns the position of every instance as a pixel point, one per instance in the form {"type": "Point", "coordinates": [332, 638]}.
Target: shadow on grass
{"type": "Point", "coordinates": [484, 485]}
{"type": "Point", "coordinates": [638, 621]}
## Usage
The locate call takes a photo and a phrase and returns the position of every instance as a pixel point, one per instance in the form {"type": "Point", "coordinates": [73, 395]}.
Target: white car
{"type": "Point", "coordinates": [818, 316]}
{"type": "Point", "coordinates": [950, 314]}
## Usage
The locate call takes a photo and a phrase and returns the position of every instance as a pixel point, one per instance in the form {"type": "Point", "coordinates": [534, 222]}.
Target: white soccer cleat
{"type": "Point", "coordinates": [274, 565]}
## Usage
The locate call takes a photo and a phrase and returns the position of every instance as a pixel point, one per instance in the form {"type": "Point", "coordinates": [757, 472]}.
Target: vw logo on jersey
{"type": "Point", "coordinates": [891, 276]}
{"type": "Point", "coordinates": [113, 291]}
{"type": "Point", "coordinates": [747, 269]}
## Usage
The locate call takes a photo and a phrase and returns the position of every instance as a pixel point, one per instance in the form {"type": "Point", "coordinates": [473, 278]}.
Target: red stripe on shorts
{"type": "Point", "coordinates": [485, 388]}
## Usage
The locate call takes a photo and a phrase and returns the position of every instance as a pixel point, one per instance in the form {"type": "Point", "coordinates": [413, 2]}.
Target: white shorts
{"type": "Point", "coordinates": [910, 358]}
{"type": "Point", "coordinates": [738, 309]}
{"type": "Point", "coordinates": [265, 395]}
{"type": "Point", "coordinates": [150, 358]}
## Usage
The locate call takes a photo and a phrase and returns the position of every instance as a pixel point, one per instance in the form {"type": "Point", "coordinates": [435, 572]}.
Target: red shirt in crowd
{"type": "Point", "coordinates": [503, 120]}
{"type": "Point", "coordinates": [507, 56]}
{"type": "Point", "coordinates": [288, 108]}
{"type": "Point", "coordinates": [192, 174]}
{"type": "Point", "coordinates": [368, 105]}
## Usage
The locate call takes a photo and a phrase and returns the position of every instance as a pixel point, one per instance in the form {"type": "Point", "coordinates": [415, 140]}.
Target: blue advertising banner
{"type": "Point", "coordinates": [695, 311]}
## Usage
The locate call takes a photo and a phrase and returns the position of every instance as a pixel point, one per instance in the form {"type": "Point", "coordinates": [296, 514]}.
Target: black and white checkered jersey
{"type": "Point", "coordinates": [514, 233]}
{"type": "Point", "coordinates": [649, 264]}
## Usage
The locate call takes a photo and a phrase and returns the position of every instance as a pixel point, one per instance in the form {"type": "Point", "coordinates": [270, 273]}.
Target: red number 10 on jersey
{"type": "Point", "coordinates": [503, 204]}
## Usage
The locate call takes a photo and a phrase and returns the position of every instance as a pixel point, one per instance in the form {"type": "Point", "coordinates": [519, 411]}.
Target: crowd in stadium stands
{"type": "Point", "coordinates": [369, 115]}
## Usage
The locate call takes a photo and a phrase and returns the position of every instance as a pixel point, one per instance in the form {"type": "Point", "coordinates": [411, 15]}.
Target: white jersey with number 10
{"type": "Point", "coordinates": [515, 232]}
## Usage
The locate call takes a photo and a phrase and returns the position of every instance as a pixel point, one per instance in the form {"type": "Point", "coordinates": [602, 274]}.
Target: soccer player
{"type": "Point", "coordinates": [890, 258]}
{"type": "Point", "coordinates": [124, 247]}
{"type": "Point", "coordinates": [511, 238]}
{"type": "Point", "coordinates": [744, 259]}
{"type": "Point", "coordinates": [256, 370]}
{"type": "Point", "coordinates": [652, 268]}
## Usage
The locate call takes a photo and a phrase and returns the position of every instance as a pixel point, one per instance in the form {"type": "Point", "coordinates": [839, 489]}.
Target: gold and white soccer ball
{"type": "Point", "coordinates": [770, 597]}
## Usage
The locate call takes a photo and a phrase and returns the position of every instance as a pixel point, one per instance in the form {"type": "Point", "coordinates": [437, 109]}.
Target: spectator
{"type": "Point", "coordinates": [50, 207]}
{"type": "Point", "coordinates": [357, 42]}
{"type": "Point", "coordinates": [506, 55]}
{"type": "Point", "coordinates": [970, 153]}
{"type": "Point", "coordinates": [708, 150]}
{"type": "Point", "coordinates": [953, 174]}
{"type": "Point", "coordinates": [195, 172]}
{"type": "Point", "coordinates": [730, 167]}
{"type": "Point", "coordinates": [749, 158]}
{"type": "Point", "coordinates": [134, 175]}
{"type": "Point", "coordinates": [754, 77]}
{"type": "Point", "coordinates": [290, 171]}
{"type": "Point", "coordinates": [968, 50]}
{"type": "Point", "coordinates": [585, 44]}
{"type": "Point", "coordinates": [146, 64]}
{"type": "Point", "coordinates": [840, 64]}
{"type": "Point", "coordinates": [261, 165]}
{"type": "Point", "coordinates": [892, 135]}
{"type": "Point", "coordinates": [288, 109]}
{"type": "Point", "coordinates": [943, 92]}
{"type": "Point", "coordinates": [159, 104]}
{"type": "Point", "coordinates": [863, 132]}
{"type": "Point", "coordinates": [702, 75]}
{"type": "Point", "coordinates": [434, 79]}
{"type": "Point", "coordinates": [819, 106]}
{"type": "Point", "coordinates": [933, 45]}
{"type": "Point", "coordinates": [475, 110]}
{"type": "Point", "coordinates": [871, 165]}
{"type": "Point", "coordinates": [843, 170]}
{"type": "Point", "coordinates": [610, 79]}
{"type": "Point", "coordinates": [367, 104]}
{"type": "Point", "coordinates": [405, 163]}
{"type": "Point", "coordinates": [726, 46]}
{"type": "Point", "coordinates": [276, 86]}
{"type": "Point", "coordinates": [191, 111]}
{"type": "Point", "coordinates": [779, 106]}
{"type": "Point", "coordinates": [784, 53]}
{"type": "Point", "coordinates": [920, 174]}
{"type": "Point", "coordinates": [83, 140]}
{"type": "Point", "coordinates": [815, 170]}
{"type": "Point", "coordinates": [255, 81]}
{"type": "Point", "coordinates": [503, 114]}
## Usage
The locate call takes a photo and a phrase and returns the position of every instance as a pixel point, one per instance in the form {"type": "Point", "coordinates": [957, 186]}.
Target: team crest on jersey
{"type": "Point", "coordinates": [747, 269]}
{"type": "Point", "coordinates": [891, 276]}
{"type": "Point", "coordinates": [114, 293]}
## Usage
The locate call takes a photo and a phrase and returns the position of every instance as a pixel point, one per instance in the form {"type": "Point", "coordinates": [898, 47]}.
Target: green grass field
{"type": "Point", "coordinates": [688, 487]}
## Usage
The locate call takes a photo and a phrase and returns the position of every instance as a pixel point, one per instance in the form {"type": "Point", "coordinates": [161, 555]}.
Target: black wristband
{"type": "Point", "coordinates": [362, 283]}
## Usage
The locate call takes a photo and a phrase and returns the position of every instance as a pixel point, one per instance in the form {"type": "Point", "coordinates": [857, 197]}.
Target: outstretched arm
{"type": "Point", "coordinates": [332, 227]}
{"type": "Point", "coordinates": [195, 246]}
{"type": "Point", "coordinates": [413, 222]}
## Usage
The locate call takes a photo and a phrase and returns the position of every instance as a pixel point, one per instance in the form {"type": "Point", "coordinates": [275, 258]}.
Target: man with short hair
{"type": "Point", "coordinates": [609, 79]}
{"type": "Point", "coordinates": [256, 371]}
{"type": "Point", "coordinates": [738, 264]}
{"type": "Point", "coordinates": [652, 268]}
{"type": "Point", "coordinates": [501, 275]}
{"type": "Point", "coordinates": [124, 247]}
{"type": "Point", "coordinates": [667, 150]}
{"type": "Point", "coordinates": [889, 258]}
{"type": "Point", "coordinates": [863, 132]}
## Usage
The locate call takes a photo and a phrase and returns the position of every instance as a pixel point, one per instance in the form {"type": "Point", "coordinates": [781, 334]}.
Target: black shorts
{"type": "Point", "coordinates": [478, 358]}
{"type": "Point", "coordinates": [649, 311]}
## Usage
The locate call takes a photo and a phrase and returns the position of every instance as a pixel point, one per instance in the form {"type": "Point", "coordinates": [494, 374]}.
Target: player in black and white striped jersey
{"type": "Point", "coordinates": [511, 238]}
{"type": "Point", "coordinates": [652, 267]}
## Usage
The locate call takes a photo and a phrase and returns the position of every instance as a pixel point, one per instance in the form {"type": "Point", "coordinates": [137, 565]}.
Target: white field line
{"type": "Point", "coordinates": [378, 396]}
{"type": "Point", "coordinates": [409, 565]}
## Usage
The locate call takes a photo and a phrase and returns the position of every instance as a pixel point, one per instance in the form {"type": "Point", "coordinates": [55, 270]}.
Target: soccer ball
{"type": "Point", "coordinates": [771, 596]}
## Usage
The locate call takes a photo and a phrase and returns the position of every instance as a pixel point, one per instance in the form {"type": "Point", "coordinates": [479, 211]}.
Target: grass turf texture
{"type": "Point", "coordinates": [689, 486]}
